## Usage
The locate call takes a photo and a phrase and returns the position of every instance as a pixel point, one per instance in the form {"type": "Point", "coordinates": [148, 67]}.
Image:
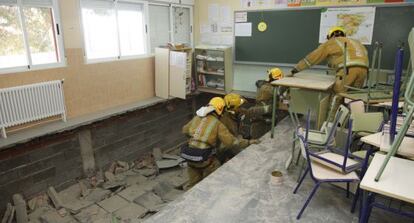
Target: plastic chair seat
{"type": "Point", "coordinates": [336, 158]}
{"type": "Point", "coordinates": [316, 137]}
{"type": "Point", "coordinates": [322, 172]}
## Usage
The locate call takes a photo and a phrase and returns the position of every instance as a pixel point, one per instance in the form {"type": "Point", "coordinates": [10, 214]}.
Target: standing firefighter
{"type": "Point", "coordinates": [206, 132]}
{"type": "Point", "coordinates": [333, 50]}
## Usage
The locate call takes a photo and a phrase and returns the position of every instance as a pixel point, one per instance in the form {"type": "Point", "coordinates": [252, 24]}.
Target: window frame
{"type": "Point", "coordinates": [58, 38]}
{"type": "Point", "coordinates": [119, 57]}
{"type": "Point", "coordinates": [191, 22]}
{"type": "Point", "coordinates": [170, 32]}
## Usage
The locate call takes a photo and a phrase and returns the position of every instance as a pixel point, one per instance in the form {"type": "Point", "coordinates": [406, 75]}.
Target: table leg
{"type": "Point", "coordinates": [272, 131]}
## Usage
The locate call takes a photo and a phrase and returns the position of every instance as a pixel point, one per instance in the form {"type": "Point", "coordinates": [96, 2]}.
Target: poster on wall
{"type": "Point", "coordinates": [293, 3]}
{"type": "Point", "coordinates": [358, 22]}
{"type": "Point", "coordinates": [280, 3]}
{"type": "Point", "coordinates": [308, 2]}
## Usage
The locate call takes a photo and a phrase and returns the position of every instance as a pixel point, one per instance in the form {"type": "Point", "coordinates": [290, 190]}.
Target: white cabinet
{"type": "Point", "coordinates": [173, 72]}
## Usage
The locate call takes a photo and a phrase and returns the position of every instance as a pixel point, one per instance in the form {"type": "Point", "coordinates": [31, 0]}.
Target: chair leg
{"type": "Point", "coordinates": [301, 180]}
{"type": "Point", "coordinates": [355, 200]}
{"type": "Point", "coordinates": [347, 189]}
{"type": "Point", "coordinates": [301, 169]}
{"type": "Point", "coordinates": [308, 200]}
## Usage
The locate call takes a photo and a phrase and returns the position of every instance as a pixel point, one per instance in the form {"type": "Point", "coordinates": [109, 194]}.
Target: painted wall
{"type": "Point", "coordinates": [90, 88]}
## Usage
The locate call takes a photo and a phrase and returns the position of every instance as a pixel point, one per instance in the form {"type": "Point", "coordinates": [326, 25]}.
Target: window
{"type": "Point", "coordinates": [113, 29]}
{"type": "Point", "coordinates": [182, 25]}
{"type": "Point", "coordinates": [30, 36]}
{"type": "Point", "coordinates": [159, 16]}
{"type": "Point", "coordinates": [170, 23]}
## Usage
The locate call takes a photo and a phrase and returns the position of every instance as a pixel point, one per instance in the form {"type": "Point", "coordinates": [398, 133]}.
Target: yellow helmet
{"type": "Point", "coordinates": [218, 104]}
{"type": "Point", "coordinates": [275, 74]}
{"type": "Point", "coordinates": [233, 100]}
{"type": "Point", "coordinates": [335, 29]}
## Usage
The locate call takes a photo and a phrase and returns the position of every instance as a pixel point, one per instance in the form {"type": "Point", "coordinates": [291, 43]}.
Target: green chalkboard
{"type": "Point", "coordinates": [292, 34]}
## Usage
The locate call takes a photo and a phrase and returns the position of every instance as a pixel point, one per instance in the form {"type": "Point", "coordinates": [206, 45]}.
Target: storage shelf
{"type": "Point", "coordinates": [211, 73]}
{"type": "Point", "coordinates": [211, 90]}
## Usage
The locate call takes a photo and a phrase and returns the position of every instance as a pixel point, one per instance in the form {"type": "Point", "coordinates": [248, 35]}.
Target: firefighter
{"type": "Point", "coordinates": [264, 97]}
{"type": "Point", "coordinates": [333, 51]}
{"type": "Point", "coordinates": [206, 133]}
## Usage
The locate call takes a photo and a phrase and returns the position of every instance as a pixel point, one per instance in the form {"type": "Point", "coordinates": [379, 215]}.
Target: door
{"type": "Point", "coordinates": [178, 74]}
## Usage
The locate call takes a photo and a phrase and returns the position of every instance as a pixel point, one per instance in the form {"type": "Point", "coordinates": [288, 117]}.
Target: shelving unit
{"type": "Point", "coordinates": [213, 67]}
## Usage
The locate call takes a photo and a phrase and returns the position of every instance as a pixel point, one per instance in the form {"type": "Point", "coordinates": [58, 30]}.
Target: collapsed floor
{"type": "Point", "coordinates": [126, 192]}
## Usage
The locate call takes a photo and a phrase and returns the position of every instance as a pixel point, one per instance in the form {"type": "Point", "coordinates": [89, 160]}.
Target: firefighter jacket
{"type": "Point", "coordinates": [208, 132]}
{"type": "Point", "coordinates": [333, 51]}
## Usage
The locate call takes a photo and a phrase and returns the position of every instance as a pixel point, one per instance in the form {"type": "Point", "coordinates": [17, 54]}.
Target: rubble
{"type": "Point", "coordinates": [113, 203]}
{"type": "Point", "coordinates": [125, 193]}
{"type": "Point", "coordinates": [21, 211]}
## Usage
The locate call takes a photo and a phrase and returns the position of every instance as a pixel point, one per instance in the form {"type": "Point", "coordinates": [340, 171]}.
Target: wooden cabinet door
{"type": "Point", "coordinates": [162, 70]}
{"type": "Point", "coordinates": [178, 72]}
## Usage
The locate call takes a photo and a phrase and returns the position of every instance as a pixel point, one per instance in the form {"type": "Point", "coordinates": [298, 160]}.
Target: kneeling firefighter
{"type": "Point", "coordinates": [206, 133]}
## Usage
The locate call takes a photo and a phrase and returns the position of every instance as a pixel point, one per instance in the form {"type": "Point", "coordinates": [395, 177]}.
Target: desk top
{"type": "Point", "coordinates": [383, 142]}
{"type": "Point", "coordinates": [395, 182]}
{"type": "Point", "coordinates": [311, 81]}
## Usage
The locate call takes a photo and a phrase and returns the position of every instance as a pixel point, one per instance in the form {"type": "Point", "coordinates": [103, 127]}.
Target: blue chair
{"type": "Point", "coordinates": [319, 171]}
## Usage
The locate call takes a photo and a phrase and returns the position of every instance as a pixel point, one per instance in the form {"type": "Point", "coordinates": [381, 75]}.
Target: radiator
{"type": "Point", "coordinates": [28, 103]}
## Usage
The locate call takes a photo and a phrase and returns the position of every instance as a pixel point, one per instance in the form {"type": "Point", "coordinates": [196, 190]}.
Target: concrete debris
{"type": "Point", "coordinates": [113, 203]}
{"type": "Point", "coordinates": [146, 161]}
{"type": "Point", "coordinates": [62, 212]}
{"type": "Point", "coordinates": [122, 164]}
{"type": "Point", "coordinates": [113, 185]}
{"type": "Point", "coordinates": [130, 212]}
{"type": "Point", "coordinates": [70, 198]}
{"type": "Point", "coordinates": [7, 213]}
{"type": "Point", "coordinates": [84, 189]}
{"type": "Point", "coordinates": [52, 216]}
{"type": "Point", "coordinates": [166, 191]}
{"type": "Point", "coordinates": [150, 201]}
{"type": "Point", "coordinates": [132, 192]}
{"type": "Point", "coordinates": [91, 214]}
{"type": "Point", "coordinates": [109, 176]}
{"type": "Point", "coordinates": [172, 157]}
{"type": "Point", "coordinates": [54, 197]}
{"type": "Point", "coordinates": [34, 217]}
{"type": "Point", "coordinates": [12, 213]}
{"type": "Point", "coordinates": [41, 200]}
{"type": "Point", "coordinates": [21, 211]}
{"type": "Point", "coordinates": [98, 194]}
{"type": "Point", "coordinates": [157, 154]}
{"type": "Point", "coordinates": [148, 172]}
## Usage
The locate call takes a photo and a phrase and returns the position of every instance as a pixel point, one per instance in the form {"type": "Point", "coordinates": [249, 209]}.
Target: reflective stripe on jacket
{"type": "Point", "coordinates": [333, 51]}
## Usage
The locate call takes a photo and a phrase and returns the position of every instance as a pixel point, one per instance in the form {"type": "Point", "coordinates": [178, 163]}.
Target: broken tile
{"type": "Point", "coordinates": [91, 214]}
{"type": "Point", "coordinates": [84, 189]}
{"type": "Point", "coordinates": [113, 185]}
{"type": "Point", "coordinates": [36, 214]}
{"type": "Point", "coordinates": [109, 176]}
{"type": "Point", "coordinates": [167, 163]}
{"type": "Point", "coordinates": [157, 154]}
{"type": "Point", "coordinates": [70, 198]}
{"type": "Point", "coordinates": [21, 211]}
{"type": "Point", "coordinates": [132, 192]}
{"type": "Point", "coordinates": [135, 179]}
{"type": "Point", "coordinates": [7, 213]}
{"type": "Point", "coordinates": [113, 203]}
{"type": "Point", "coordinates": [146, 171]}
{"type": "Point", "coordinates": [51, 216]}
{"type": "Point", "coordinates": [166, 191]}
{"type": "Point", "coordinates": [173, 157]}
{"type": "Point", "coordinates": [41, 200]}
{"type": "Point", "coordinates": [56, 200]}
{"type": "Point", "coordinates": [150, 201]}
{"type": "Point", "coordinates": [98, 194]}
{"type": "Point", "coordinates": [131, 212]}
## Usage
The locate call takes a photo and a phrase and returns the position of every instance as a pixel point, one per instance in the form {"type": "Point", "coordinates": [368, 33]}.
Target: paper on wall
{"type": "Point", "coordinates": [225, 14]}
{"type": "Point", "coordinates": [243, 29]}
{"type": "Point", "coordinates": [226, 27]}
{"type": "Point", "coordinates": [205, 28]}
{"type": "Point", "coordinates": [178, 59]}
{"type": "Point", "coordinates": [213, 12]}
{"type": "Point", "coordinates": [227, 40]}
{"type": "Point", "coordinates": [240, 17]}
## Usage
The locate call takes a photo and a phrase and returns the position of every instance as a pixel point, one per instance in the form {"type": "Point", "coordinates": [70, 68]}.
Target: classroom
{"type": "Point", "coordinates": [206, 111]}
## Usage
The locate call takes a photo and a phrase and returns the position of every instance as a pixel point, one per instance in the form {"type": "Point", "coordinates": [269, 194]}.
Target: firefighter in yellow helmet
{"type": "Point", "coordinates": [206, 133]}
{"type": "Point", "coordinates": [264, 95]}
{"type": "Point", "coordinates": [333, 51]}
